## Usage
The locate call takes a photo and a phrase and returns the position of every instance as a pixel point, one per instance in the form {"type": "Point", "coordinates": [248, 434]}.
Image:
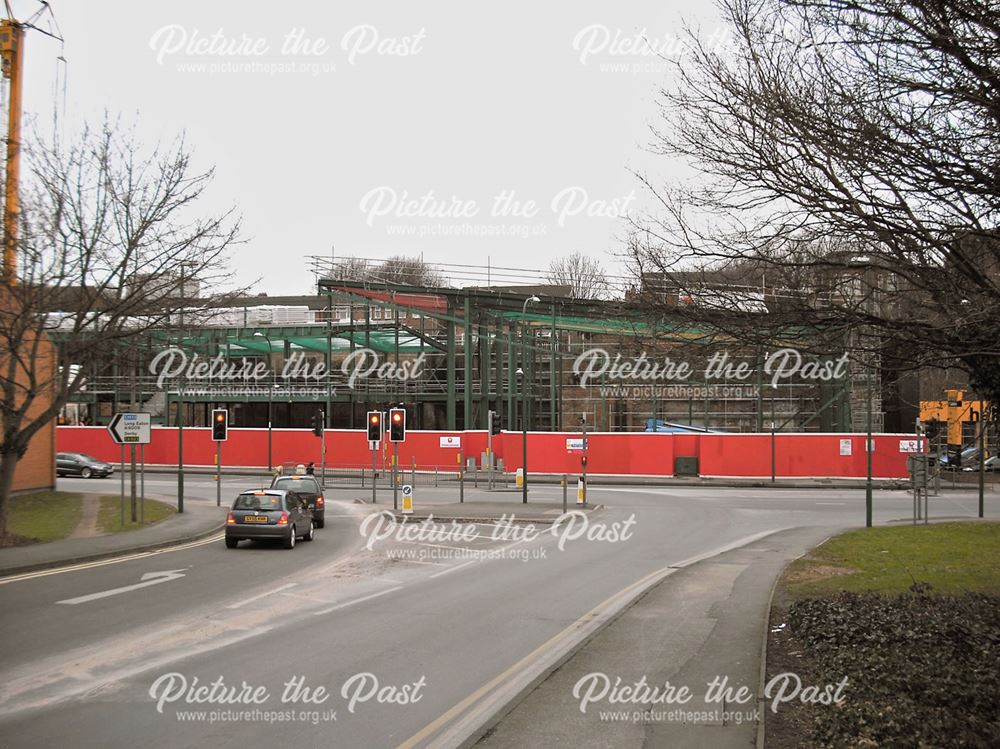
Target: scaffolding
{"type": "Point", "coordinates": [469, 344]}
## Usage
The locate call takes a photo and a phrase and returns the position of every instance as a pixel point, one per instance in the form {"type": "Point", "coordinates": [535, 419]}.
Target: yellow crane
{"type": "Point", "coordinates": [11, 63]}
{"type": "Point", "coordinates": [12, 35]}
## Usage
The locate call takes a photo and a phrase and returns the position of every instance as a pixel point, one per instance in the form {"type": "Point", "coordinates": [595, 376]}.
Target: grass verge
{"type": "Point", "coordinates": [950, 557]}
{"type": "Point", "coordinates": [43, 516]}
{"type": "Point", "coordinates": [109, 515]}
{"type": "Point", "coordinates": [910, 617]}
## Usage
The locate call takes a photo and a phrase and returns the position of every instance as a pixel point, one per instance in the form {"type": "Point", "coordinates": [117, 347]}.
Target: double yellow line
{"type": "Point", "coordinates": [549, 646]}
{"type": "Point", "coordinates": [590, 618]}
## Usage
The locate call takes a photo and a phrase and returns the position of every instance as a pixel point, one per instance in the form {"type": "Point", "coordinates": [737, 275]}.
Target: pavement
{"type": "Point", "coordinates": [199, 519]}
{"type": "Point", "coordinates": [704, 623]}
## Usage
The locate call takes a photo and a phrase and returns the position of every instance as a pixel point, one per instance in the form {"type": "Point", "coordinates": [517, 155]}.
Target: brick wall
{"type": "Point", "coordinates": [37, 470]}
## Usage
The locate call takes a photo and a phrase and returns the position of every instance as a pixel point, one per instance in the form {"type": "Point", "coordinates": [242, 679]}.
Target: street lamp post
{"type": "Point", "coordinates": [524, 407]}
{"type": "Point", "coordinates": [270, 394]}
{"type": "Point", "coordinates": [180, 442]}
{"type": "Point", "coordinates": [524, 438]}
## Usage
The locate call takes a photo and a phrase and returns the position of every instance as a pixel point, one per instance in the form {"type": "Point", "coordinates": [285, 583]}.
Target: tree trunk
{"type": "Point", "coordinates": [8, 461]}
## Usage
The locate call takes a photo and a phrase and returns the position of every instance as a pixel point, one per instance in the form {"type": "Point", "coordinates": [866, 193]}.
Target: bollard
{"type": "Point", "coordinates": [461, 485]}
{"type": "Point", "coordinates": [435, 477]}
{"type": "Point", "coordinates": [362, 478]}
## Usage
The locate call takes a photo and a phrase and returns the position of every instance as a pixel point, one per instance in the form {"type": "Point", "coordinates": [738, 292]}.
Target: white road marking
{"type": "Point", "coordinates": [257, 597]}
{"type": "Point", "coordinates": [831, 503]}
{"type": "Point", "coordinates": [358, 600]}
{"type": "Point", "coordinates": [150, 578]}
{"type": "Point", "coordinates": [418, 561]}
{"type": "Point", "coordinates": [456, 567]}
{"type": "Point", "coordinates": [114, 560]}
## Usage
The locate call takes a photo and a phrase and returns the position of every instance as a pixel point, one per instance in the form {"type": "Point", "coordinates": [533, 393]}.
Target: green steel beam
{"type": "Point", "coordinates": [467, 366]}
{"type": "Point", "coordinates": [450, 366]}
{"type": "Point", "coordinates": [552, 374]}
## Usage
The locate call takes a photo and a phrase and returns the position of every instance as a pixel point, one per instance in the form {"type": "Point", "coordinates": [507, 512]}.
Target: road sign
{"type": "Point", "coordinates": [407, 499]}
{"type": "Point", "coordinates": [130, 429]}
{"type": "Point", "coordinates": [450, 441]}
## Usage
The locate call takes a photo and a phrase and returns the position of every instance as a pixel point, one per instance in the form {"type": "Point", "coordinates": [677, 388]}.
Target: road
{"type": "Point", "coordinates": [396, 642]}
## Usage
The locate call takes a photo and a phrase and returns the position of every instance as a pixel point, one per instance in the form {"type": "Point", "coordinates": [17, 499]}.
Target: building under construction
{"type": "Point", "coordinates": [530, 352]}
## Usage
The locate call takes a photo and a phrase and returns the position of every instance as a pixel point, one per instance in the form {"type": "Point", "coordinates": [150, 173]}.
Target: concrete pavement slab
{"type": "Point", "coordinates": [700, 625]}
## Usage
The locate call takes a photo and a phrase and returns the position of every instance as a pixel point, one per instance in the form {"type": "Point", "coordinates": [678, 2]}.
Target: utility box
{"type": "Point", "coordinates": [684, 466]}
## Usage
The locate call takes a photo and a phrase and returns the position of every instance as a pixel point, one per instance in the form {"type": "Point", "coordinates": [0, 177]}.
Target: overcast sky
{"type": "Point", "coordinates": [326, 121]}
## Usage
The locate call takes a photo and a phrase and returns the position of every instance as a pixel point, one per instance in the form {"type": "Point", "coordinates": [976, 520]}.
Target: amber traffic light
{"type": "Point", "coordinates": [374, 426]}
{"type": "Point", "coordinates": [220, 424]}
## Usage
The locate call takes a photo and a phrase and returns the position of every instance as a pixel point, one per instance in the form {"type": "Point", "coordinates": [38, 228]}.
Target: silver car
{"type": "Point", "coordinates": [270, 513]}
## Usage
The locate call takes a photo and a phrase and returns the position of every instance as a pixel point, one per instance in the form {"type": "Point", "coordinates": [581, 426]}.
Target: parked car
{"type": "Point", "coordinates": [307, 487]}
{"type": "Point", "coordinates": [269, 513]}
{"type": "Point", "coordinates": [990, 464]}
{"type": "Point", "coordinates": [968, 457]}
{"type": "Point", "coordinates": [81, 464]}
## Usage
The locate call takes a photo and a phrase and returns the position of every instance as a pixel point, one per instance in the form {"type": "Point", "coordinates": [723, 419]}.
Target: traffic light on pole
{"type": "Point", "coordinates": [374, 426]}
{"type": "Point", "coordinates": [496, 423]}
{"type": "Point", "coordinates": [319, 419]}
{"type": "Point", "coordinates": [220, 424]}
{"type": "Point", "coordinates": [397, 425]}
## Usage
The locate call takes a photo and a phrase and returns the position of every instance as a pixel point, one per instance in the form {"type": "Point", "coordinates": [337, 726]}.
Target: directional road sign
{"type": "Point", "coordinates": [130, 429]}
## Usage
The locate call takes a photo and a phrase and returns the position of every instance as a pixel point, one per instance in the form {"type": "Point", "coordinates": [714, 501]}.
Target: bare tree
{"type": "Point", "coordinates": [408, 271]}
{"type": "Point", "coordinates": [350, 269]}
{"type": "Point", "coordinates": [110, 240]}
{"type": "Point", "coordinates": [850, 174]}
{"type": "Point", "coordinates": [585, 275]}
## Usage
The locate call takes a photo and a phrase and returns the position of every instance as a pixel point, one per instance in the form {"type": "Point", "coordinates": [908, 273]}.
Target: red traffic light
{"type": "Point", "coordinates": [374, 426]}
{"type": "Point", "coordinates": [220, 417]}
{"type": "Point", "coordinates": [397, 425]}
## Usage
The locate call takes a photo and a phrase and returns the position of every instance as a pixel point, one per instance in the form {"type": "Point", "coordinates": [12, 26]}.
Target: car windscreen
{"type": "Point", "coordinates": [309, 486]}
{"type": "Point", "coordinates": [261, 502]}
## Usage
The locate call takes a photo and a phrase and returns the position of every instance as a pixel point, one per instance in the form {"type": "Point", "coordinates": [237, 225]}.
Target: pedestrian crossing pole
{"type": "Point", "coordinates": [395, 475]}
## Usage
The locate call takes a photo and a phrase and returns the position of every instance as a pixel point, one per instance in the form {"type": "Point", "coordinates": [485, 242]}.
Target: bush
{"type": "Point", "coordinates": [922, 669]}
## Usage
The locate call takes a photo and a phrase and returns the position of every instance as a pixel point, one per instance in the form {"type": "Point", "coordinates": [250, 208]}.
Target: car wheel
{"type": "Point", "coordinates": [290, 541]}
{"type": "Point", "coordinates": [312, 532]}
{"type": "Point", "coordinates": [231, 543]}
{"type": "Point", "coordinates": [86, 473]}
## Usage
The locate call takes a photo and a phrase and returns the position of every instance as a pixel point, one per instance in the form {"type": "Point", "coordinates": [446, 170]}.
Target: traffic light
{"type": "Point", "coordinates": [220, 424]}
{"type": "Point", "coordinates": [374, 426]}
{"type": "Point", "coordinates": [397, 425]}
{"type": "Point", "coordinates": [496, 423]}
{"type": "Point", "coordinates": [319, 421]}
